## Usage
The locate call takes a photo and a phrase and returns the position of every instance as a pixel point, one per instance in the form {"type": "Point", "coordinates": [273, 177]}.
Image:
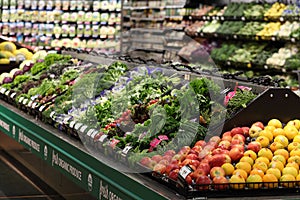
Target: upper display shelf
{"type": "Point", "coordinates": [153, 7]}
{"type": "Point", "coordinates": [247, 12]}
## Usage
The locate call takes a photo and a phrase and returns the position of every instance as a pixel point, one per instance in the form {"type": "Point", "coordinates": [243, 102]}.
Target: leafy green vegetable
{"type": "Point", "coordinates": [20, 79]}
{"type": "Point", "coordinates": [239, 101]}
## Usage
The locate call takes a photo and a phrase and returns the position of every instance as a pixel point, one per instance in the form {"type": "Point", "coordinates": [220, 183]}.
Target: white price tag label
{"type": "Point", "coordinates": [89, 133]}
{"type": "Point", "coordinates": [66, 119]}
{"type": "Point", "coordinates": [77, 126]}
{"type": "Point", "coordinates": [42, 108]}
{"type": "Point", "coordinates": [126, 149]}
{"type": "Point", "coordinates": [273, 38]}
{"type": "Point", "coordinates": [94, 134]}
{"type": "Point", "coordinates": [52, 113]}
{"type": "Point", "coordinates": [7, 92]}
{"type": "Point", "coordinates": [83, 128]}
{"type": "Point", "coordinates": [281, 19]}
{"type": "Point", "coordinates": [235, 36]}
{"type": "Point", "coordinates": [204, 17]}
{"type": "Point", "coordinates": [185, 171]}
{"type": "Point", "coordinates": [228, 63]}
{"type": "Point", "coordinates": [21, 99]}
{"type": "Point", "coordinates": [72, 123]}
{"type": "Point", "coordinates": [102, 138]}
{"type": "Point", "coordinates": [13, 95]}
{"type": "Point", "coordinates": [2, 90]}
{"type": "Point", "coordinates": [243, 18]}
{"type": "Point", "coordinates": [222, 18]}
{"type": "Point", "coordinates": [30, 103]}
{"type": "Point", "coordinates": [25, 101]}
{"type": "Point", "coordinates": [34, 105]}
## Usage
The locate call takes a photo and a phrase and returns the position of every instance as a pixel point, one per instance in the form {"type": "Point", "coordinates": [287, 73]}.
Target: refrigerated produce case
{"type": "Point", "coordinates": [96, 176]}
{"type": "Point", "coordinates": [70, 157]}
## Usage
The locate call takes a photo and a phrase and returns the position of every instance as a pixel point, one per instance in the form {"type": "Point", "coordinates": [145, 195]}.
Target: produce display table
{"type": "Point", "coordinates": [69, 157]}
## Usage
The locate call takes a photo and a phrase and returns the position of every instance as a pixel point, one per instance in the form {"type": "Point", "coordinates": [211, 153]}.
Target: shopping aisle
{"type": "Point", "coordinates": [16, 182]}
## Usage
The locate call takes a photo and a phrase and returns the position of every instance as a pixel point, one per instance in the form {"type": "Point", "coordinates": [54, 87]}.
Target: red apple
{"type": "Point", "coordinates": [174, 174]}
{"type": "Point", "coordinates": [203, 182]}
{"type": "Point", "coordinates": [246, 131]}
{"type": "Point", "coordinates": [220, 183]}
{"type": "Point", "coordinates": [185, 162]}
{"type": "Point", "coordinates": [164, 162]}
{"type": "Point", "coordinates": [239, 137]}
{"type": "Point", "coordinates": [210, 145]}
{"type": "Point", "coordinates": [204, 153]}
{"type": "Point", "coordinates": [254, 146]}
{"type": "Point", "coordinates": [216, 171]}
{"type": "Point", "coordinates": [185, 149]}
{"type": "Point", "coordinates": [189, 179]}
{"type": "Point", "coordinates": [224, 144]}
{"type": "Point", "coordinates": [216, 151]}
{"type": "Point", "coordinates": [159, 168]}
{"type": "Point", "coordinates": [170, 153]}
{"type": "Point", "coordinates": [157, 158]}
{"type": "Point", "coordinates": [207, 158]}
{"type": "Point", "coordinates": [192, 156]}
{"type": "Point", "coordinates": [259, 124]}
{"type": "Point", "coordinates": [178, 157]}
{"type": "Point", "coordinates": [204, 167]}
{"type": "Point", "coordinates": [198, 173]}
{"type": "Point", "coordinates": [236, 154]}
{"type": "Point", "coordinates": [215, 139]}
{"type": "Point", "coordinates": [236, 141]}
{"type": "Point", "coordinates": [167, 157]}
{"type": "Point", "coordinates": [241, 147]}
{"type": "Point", "coordinates": [218, 160]}
{"type": "Point", "coordinates": [195, 163]}
{"type": "Point", "coordinates": [236, 130]}
{"type": "Point", "coordinates": [227, 138]}
{"type": "Point", "coordinates": [219, 151]}
{"type": "Point", "coordinates": [200, 143]}
{"type": "Point", "coordinates": [174, 161]}
{"type": "Point", "coordinates": [171, 167]}
{"type": "Point", "coordinates": [145, 161]}
{"type": "Point", "coordinates": [228, 133]}
{"type": "Point", "coordinates": [197, 149]}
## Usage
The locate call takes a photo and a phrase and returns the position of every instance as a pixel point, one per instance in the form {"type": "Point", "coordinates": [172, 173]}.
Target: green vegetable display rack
{"type": "Point", "coordinates": [71, 159]}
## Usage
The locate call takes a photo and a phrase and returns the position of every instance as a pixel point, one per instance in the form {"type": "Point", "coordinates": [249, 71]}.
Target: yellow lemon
{"type": "Point", "coordinates": [282, 139]}
{"type": "Point", "coordinates": [290, 170]}
{"type": "Point", "coordinates": [280, 158]}
{"type": "Point", "coordinates": [274, 171]}
{"type": "Point", "coordinates": [278, 131]}
{"type": "Point", "coordinates": [290, 131]}
{"type": "Point", "coordinates": [275, 122]}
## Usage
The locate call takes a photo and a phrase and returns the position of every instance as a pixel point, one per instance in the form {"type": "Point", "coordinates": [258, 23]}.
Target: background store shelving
{"type": "Point", "coordinates": [53, 24]}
